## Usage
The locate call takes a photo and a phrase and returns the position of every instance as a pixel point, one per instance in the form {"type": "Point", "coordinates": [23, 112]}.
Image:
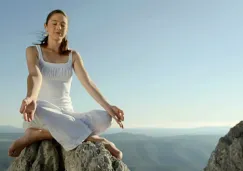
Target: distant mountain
{"type": "Point", "coordinates": [228, 153]}
{"type": "Point", "coordinates": [147, 153]}
{"type": "Point", "coordinates": [155, 132]}
{"type": "Point", "coordinates": [10, 129]}
{"type": "Point", "coordinates": [175, 153]}
{"type": "Point", "coordinates": [164, 132]}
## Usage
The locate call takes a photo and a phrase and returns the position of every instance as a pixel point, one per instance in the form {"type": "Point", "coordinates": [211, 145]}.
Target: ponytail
{"type": "Point", "coordinates": [64, 46]}
{"type": "Point", "coordinates": [63, 49]}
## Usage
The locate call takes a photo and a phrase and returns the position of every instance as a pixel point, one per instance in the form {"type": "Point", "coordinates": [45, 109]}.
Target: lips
{"type": "Point", "coordinates": [59, 33]}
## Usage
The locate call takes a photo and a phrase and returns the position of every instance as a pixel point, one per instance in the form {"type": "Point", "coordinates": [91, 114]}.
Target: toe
{"type": "Point", "coordinates": [120, 155]}
{"type": "Point", "coordinates": [15, 154]}
{"type": "Point", "coordinates": [10, 151]}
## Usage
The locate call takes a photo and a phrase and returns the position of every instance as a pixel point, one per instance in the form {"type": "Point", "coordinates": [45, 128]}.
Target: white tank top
{"type": "Point", "coordinates": [56, 82]}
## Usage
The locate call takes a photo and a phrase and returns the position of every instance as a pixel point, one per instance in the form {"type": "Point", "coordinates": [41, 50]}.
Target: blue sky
{"type": "Point", "coordinates": [165, 63]}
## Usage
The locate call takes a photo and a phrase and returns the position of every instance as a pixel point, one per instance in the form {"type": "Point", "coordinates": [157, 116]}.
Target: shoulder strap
{"type": "Point", "coordinates": [39, 52]}
{"type": "Point", "coordinates": [71, 56]}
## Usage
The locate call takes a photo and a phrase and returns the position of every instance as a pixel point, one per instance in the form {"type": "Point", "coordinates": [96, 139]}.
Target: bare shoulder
{"type": "Point", "coordinates": [32, 56]}
{"type": "Point", "coordinates": [31, 52]}
{"type": "Point", "coordinates": [75, 53]}
{"type": "Point", "coordinates": [76, 56]}
{"type": "Point", "coordinates": [32, 60]}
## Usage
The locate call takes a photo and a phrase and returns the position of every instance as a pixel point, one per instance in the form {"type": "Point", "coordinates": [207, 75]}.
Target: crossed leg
{"type": "Point", "coordinates": [33, 135]}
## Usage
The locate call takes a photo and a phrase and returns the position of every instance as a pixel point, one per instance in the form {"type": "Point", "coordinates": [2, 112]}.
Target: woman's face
{"type": "Point", "coordinates": [57, 27]}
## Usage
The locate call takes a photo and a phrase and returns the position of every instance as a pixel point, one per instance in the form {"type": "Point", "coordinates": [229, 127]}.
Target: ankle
{"type": "Point", "coordinates": [30, 134]}
{"type": "Point", "coordinates": [95, 138]}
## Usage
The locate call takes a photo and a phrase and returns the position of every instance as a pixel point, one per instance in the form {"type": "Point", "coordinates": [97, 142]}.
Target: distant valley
{"type": "Point", "coordinates": [151, 150]}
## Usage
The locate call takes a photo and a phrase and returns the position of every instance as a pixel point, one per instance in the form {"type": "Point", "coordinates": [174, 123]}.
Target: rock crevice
{"type": "Point", "coordinates": [228, 154]}
{"type": "Point", "coordinates": [48, 155]}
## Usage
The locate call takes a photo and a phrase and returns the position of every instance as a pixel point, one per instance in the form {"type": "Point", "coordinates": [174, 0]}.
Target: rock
{"type": "Point", "coordinates": [228, 154]}
{"type": "Point", "coordinates": [48, 155]}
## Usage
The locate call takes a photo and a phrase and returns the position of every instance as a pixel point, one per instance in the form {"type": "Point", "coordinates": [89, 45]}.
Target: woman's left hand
{"type": "Point", "coordinates": [119, 115]}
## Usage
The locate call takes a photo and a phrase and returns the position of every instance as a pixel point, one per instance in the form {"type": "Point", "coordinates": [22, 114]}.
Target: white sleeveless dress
{"type": "Point", "coordinates": [55, 112]}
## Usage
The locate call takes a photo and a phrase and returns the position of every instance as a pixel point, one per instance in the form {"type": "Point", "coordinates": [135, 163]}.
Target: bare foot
{"type": "Point", "coordinates": [17, 146]}
{"type": "Point", "coordinates": [108, 145]}
{"type": "Point", "coordinates": [113, 149]}
{"type": "Point", "coordinates": [31, 135]}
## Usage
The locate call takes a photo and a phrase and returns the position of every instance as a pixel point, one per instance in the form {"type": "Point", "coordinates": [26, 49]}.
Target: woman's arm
{"type": "Point", "coordinates": [87, 82]}
{"type": "Point", "coordinates": [34, 80]}
{"type": "Point", "coordinates": [89, 85]}
{"type": "Point", "coordinates": [34, 77]}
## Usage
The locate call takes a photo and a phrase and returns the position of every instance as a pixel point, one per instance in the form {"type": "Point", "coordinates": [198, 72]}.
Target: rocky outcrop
{"type": "Point", "coordinates": [49, 156]}
{"type": "Point", "coordinates": [228, 154]}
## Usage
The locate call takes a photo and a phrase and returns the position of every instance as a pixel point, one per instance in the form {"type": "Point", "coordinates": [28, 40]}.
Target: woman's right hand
{"type": "Point", "coordinates": [28, 108]}
{"type": "Point", "coordinates": [117, 114]}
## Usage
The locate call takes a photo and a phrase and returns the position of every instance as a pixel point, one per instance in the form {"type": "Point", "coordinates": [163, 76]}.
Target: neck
{"type": "Point", "coordinates": [54, 44]}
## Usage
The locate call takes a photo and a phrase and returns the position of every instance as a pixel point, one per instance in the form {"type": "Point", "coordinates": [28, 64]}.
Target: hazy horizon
{"type": "Point", "coordinates": [144, 127]}
{"type": "Point", "coordinates": [175, 64]}
{"type": "Point", "coordinates": [161, 153]}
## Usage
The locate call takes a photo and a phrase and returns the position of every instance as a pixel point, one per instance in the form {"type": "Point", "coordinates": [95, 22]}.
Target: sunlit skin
{"type": "Point", "coordinates": [57, 28]}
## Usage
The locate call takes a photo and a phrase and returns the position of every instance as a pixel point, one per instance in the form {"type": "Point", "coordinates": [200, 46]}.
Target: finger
{"type": "Point", "coordinates": [114, 117]}
{"type": "Point", "coordinates": [22, 108]}
{"type": "Point", "coordinates": [121, 114]}
{"type": "Point", "coordinates": [25, 116]}
{"type": "Point", "coordinates": [117, 119]}
{"type": "Point", "coordinates": [32, 115]}
{"type": "Point", "coordinates": [119, 123]}
{"type": "Point", "coordinates": [116, 113]}
{"type": "Point", "coordinates": [112, 114]}
{"type": "Point", "coordinates": [25, 102]}
{"type": "Point", "coordinates": [28, 117]}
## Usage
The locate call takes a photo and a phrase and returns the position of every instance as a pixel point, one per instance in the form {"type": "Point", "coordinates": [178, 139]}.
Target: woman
{"type": "Point", "coordinates": [47, 109]}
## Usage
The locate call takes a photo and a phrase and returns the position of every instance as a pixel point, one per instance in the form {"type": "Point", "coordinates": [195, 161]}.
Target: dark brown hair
{"type": "Point", "coordinates": [63, 49]}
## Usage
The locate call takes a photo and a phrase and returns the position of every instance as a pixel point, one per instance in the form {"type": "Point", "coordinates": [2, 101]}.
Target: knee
{"type": "Point", "coordinates": [101, 121]}
{"type": "Point", "coordinates": [107, 117]}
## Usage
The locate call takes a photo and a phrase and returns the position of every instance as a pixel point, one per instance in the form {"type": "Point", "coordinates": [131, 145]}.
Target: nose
{"type": "Point", "coordinates": [58, 27]}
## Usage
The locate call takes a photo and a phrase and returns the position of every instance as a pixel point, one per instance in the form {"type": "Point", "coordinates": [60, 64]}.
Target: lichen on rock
{"type": "Point", "coordinates": [48, 155]}
{"type": "Point", "coordinates": [228, 154]}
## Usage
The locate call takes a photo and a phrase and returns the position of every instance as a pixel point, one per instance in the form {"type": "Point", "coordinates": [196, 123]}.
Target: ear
{"type": "Point", "coordinates": [45, 26]}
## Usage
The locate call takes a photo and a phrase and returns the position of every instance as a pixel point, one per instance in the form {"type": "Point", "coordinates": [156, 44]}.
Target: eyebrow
{"type": "Point", "coordinates": [57, 21]}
